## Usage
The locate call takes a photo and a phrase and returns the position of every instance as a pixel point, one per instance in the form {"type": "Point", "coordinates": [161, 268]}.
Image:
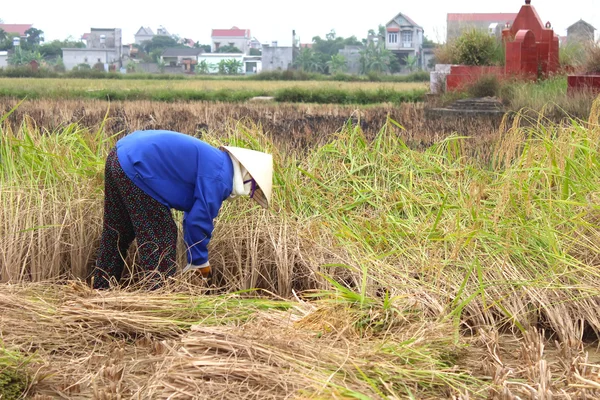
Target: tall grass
{"type": "Point", "coordinates": [389, 253]}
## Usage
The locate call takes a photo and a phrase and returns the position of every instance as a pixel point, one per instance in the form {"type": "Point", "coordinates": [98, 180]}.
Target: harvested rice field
{"type": "Point", "coordinates": [400, 259]}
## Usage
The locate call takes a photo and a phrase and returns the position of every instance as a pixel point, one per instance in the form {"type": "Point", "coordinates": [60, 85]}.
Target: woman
{"type": "Point", "coordinates": [150, 172]}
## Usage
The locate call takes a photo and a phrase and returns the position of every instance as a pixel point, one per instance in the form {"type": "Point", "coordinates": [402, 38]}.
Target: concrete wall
{"type": "Point", "coordinates": [3, 59]}
{"type": "Point", "coordinates": [74, 57]}
{"type": "Point", "coordinates": [277, 58]}
{"type": "Point", "coordinates": [352, 56]}
{"type": "Point", "coordinates": [147, 67]}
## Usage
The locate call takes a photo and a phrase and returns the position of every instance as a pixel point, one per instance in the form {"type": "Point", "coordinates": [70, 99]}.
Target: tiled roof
{"type": "Point", "coordinates": [181, 52]}
{"type": "Point", "coordinates": [582, 22]}
{"type": "Point", "coordinates": [233, 32]}
{"type": "Point", "coordinates": [482, 17]}
{"type": "Point", "coordinates": [15, 28]}
{"type": "Point", "coordinates": [407, 18]}
{"type": "Point", "coordinates": [85, 36]}
{"type": "Point", "coordinates": [145, 31]}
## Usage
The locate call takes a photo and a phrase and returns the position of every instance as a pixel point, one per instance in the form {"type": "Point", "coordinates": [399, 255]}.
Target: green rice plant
{"type": "Point", "coordinates": [14, 375]}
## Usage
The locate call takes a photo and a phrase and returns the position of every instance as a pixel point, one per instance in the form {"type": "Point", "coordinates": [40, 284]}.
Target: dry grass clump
{"type": "Point", "coordinates": [178, 344]}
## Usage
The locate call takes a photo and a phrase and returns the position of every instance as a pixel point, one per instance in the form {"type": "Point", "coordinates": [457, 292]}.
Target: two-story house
{"type": "Point", "coordinates": [235, 36]}
{"type": "Point", "coordinates": [404, 37]}
{"type": "Point", "coordinates": [581, 32]}
{"type": "Point", "coordinates": [104, 46]}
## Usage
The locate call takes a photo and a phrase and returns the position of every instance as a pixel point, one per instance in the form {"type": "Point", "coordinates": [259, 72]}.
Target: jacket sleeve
{"type": "Point", "coordinates": [197, 232]}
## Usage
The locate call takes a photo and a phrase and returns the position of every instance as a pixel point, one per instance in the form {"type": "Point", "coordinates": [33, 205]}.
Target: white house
{"type": "Point", "coordinates": [3, 59]}
{"type": "Point", "coordinates": [404, 37]}
{"type": "Point", "coordinates": [248, 64]}
{"type": "Point", "coordinates": [235, 36]}
{"type": "Point", "coordinates": [103, 46]}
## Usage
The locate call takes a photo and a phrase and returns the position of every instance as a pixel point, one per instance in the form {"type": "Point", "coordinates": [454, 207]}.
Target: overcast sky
{"type": "Point", "coordinates": [271, 20]}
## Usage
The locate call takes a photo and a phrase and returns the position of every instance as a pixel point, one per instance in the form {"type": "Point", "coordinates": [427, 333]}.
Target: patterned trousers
{"type": "Point", "coordinates": [131, 213]}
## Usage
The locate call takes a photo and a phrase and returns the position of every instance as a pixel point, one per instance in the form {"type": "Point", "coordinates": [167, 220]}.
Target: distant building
{"type": "Point", "coordinates": [181, 57]}
{"type": "Point", "coordinates": [3, 59]}
{"type": "Point", "coordinates": [352, 56]}
{"type": "Point", "coordinates": [235, 36]}
{"type": "Point", "coordinates": [404, 38]}
{"type": "Point", "coordinates": [16, 29]}
{"type": "Point", "coordinates": [489, 22]}
{"type": "Point", "coordinates": [278, 57]}
{"type": "Point", "coordinates": [102, 46]}
{"type": "Point", "coordinates": [580, 32]}
{"type": "Point", "coordinates": [145, 34]}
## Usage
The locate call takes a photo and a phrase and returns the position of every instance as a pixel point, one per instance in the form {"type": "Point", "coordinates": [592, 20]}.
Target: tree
{"type": "Point", "coordinates": [3, 35]}
{"type": "Point", "coordinates": [202, 68]}
{"type": "Point", "coordinates": [337, 64]}
{"type": "Point", "coordinates": [205, 47]}
{"type": "Point", "coordinates": [324, 49]}
{"type": "Point", "coordinates": [52, 50]}
{"type": "Point", "coordinates": [159, 43]}
{"type": "Point", "coordinates": [308, 61]}
{"type": "Point", "coordinates": [228, 49]}
{"type": "Point", "coordinates": [22, 57]}
{"type": "Point", "coordinates": [411, 62]}
{"type": "Point", "coordinates": [375, 58]}
{"type": "Point", "coordinates": [34, 36]}
{"type": "Point", "coordinates": [233, 66]}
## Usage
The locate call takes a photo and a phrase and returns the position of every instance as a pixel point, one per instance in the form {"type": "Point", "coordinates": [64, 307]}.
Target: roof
{"type": "Point", "coordinates": [482, 17]}
{"type": "Point", "coordinates": [181, 52]}
{"type": "Point", "coordinates": [85, 36]}
{"type": "Point", "coordinates": [581, 22]}
{"type": "Point", "coordinates": [233, 32]}
{"type": "Point", "coordinates": [145, 31]}
{"type": "Point", "coordinates": [16, 28]}
{"type": "Point", "coordinates": [406, 17]}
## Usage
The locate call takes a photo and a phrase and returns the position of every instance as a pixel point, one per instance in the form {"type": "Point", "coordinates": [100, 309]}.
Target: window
{"type": "Point", "coordinates": [99, 60]}
{"type": "Point", "coordinates": [85, 59]}
{"type": "Point", "coordinates": [392, 38]}
{"type": "Point", "coordinates": [407, 39]}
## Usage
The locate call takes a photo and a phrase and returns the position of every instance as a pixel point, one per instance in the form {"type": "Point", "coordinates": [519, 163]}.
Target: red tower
{"type": "Point", "coordinates": [531, 46]}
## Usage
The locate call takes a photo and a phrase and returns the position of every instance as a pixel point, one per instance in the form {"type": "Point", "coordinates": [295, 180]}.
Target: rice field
{"type": "Point", "coordinates": [214, 90]}
{"type": "Point", "coordinates": [384, 270]}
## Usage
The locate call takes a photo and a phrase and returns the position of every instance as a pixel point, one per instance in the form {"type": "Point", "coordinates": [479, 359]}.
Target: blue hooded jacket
{"type": "Point", "coordinates": [183, 173]}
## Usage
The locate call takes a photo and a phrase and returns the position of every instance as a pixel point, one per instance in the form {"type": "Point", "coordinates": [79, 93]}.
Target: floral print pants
{"type": "Point", "coordinates": [131, 213]}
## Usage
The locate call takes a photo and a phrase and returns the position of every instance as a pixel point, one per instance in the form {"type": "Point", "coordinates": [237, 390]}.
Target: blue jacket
{"type": "Point", "coordinates": [183, 173]}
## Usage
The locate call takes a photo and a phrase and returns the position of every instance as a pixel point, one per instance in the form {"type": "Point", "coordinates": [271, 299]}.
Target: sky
{"type": "Point", "coordinates": [271, 20]}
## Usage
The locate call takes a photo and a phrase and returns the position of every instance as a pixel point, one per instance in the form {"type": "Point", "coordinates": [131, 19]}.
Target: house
{"type": "Point", "coordinates": [489, 22]}
{"type": "Point", "coordinates": [16, 29]}
{"type": "Point", "coordinates": [102, 46]}
{"type": "Point", "coordinates": [235, 36]}
{"type": "Point", "coordinates": [278, 57]}
{"type": "Point", "coordinates": [3, 59]}
{"type": "Point", "coordinates": [145, 34]}
{"type": "Point", "coordinates": [185, 57]}
{"type": "Point", "coordinates": [248, 65]}
{"type": "Point", "coordinates": [580, 32]}
{"type": "Point", "coordinates": [404, 38]}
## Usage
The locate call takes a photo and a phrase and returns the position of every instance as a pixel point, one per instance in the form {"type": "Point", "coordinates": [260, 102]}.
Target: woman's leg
{"type": "Point", "coordinates": [155, 231]}
{"type": "Point", "coordinates": [117, 229]}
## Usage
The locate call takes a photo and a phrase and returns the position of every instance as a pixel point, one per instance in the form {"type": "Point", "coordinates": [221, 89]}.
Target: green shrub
{"type": "Point", "coordinates": [592, 61]}
{"type": "Point", "coordinates": [14, 376]}
{"type": "Point", "coordinates": [476, 47]}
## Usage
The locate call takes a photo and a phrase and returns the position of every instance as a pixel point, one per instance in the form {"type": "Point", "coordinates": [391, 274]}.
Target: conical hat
{"type": "Point", "coordinates": [260, 166]}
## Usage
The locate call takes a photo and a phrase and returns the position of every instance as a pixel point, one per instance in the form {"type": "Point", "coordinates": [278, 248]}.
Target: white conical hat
{"type": "Point", "coordinates": [260, 166]}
